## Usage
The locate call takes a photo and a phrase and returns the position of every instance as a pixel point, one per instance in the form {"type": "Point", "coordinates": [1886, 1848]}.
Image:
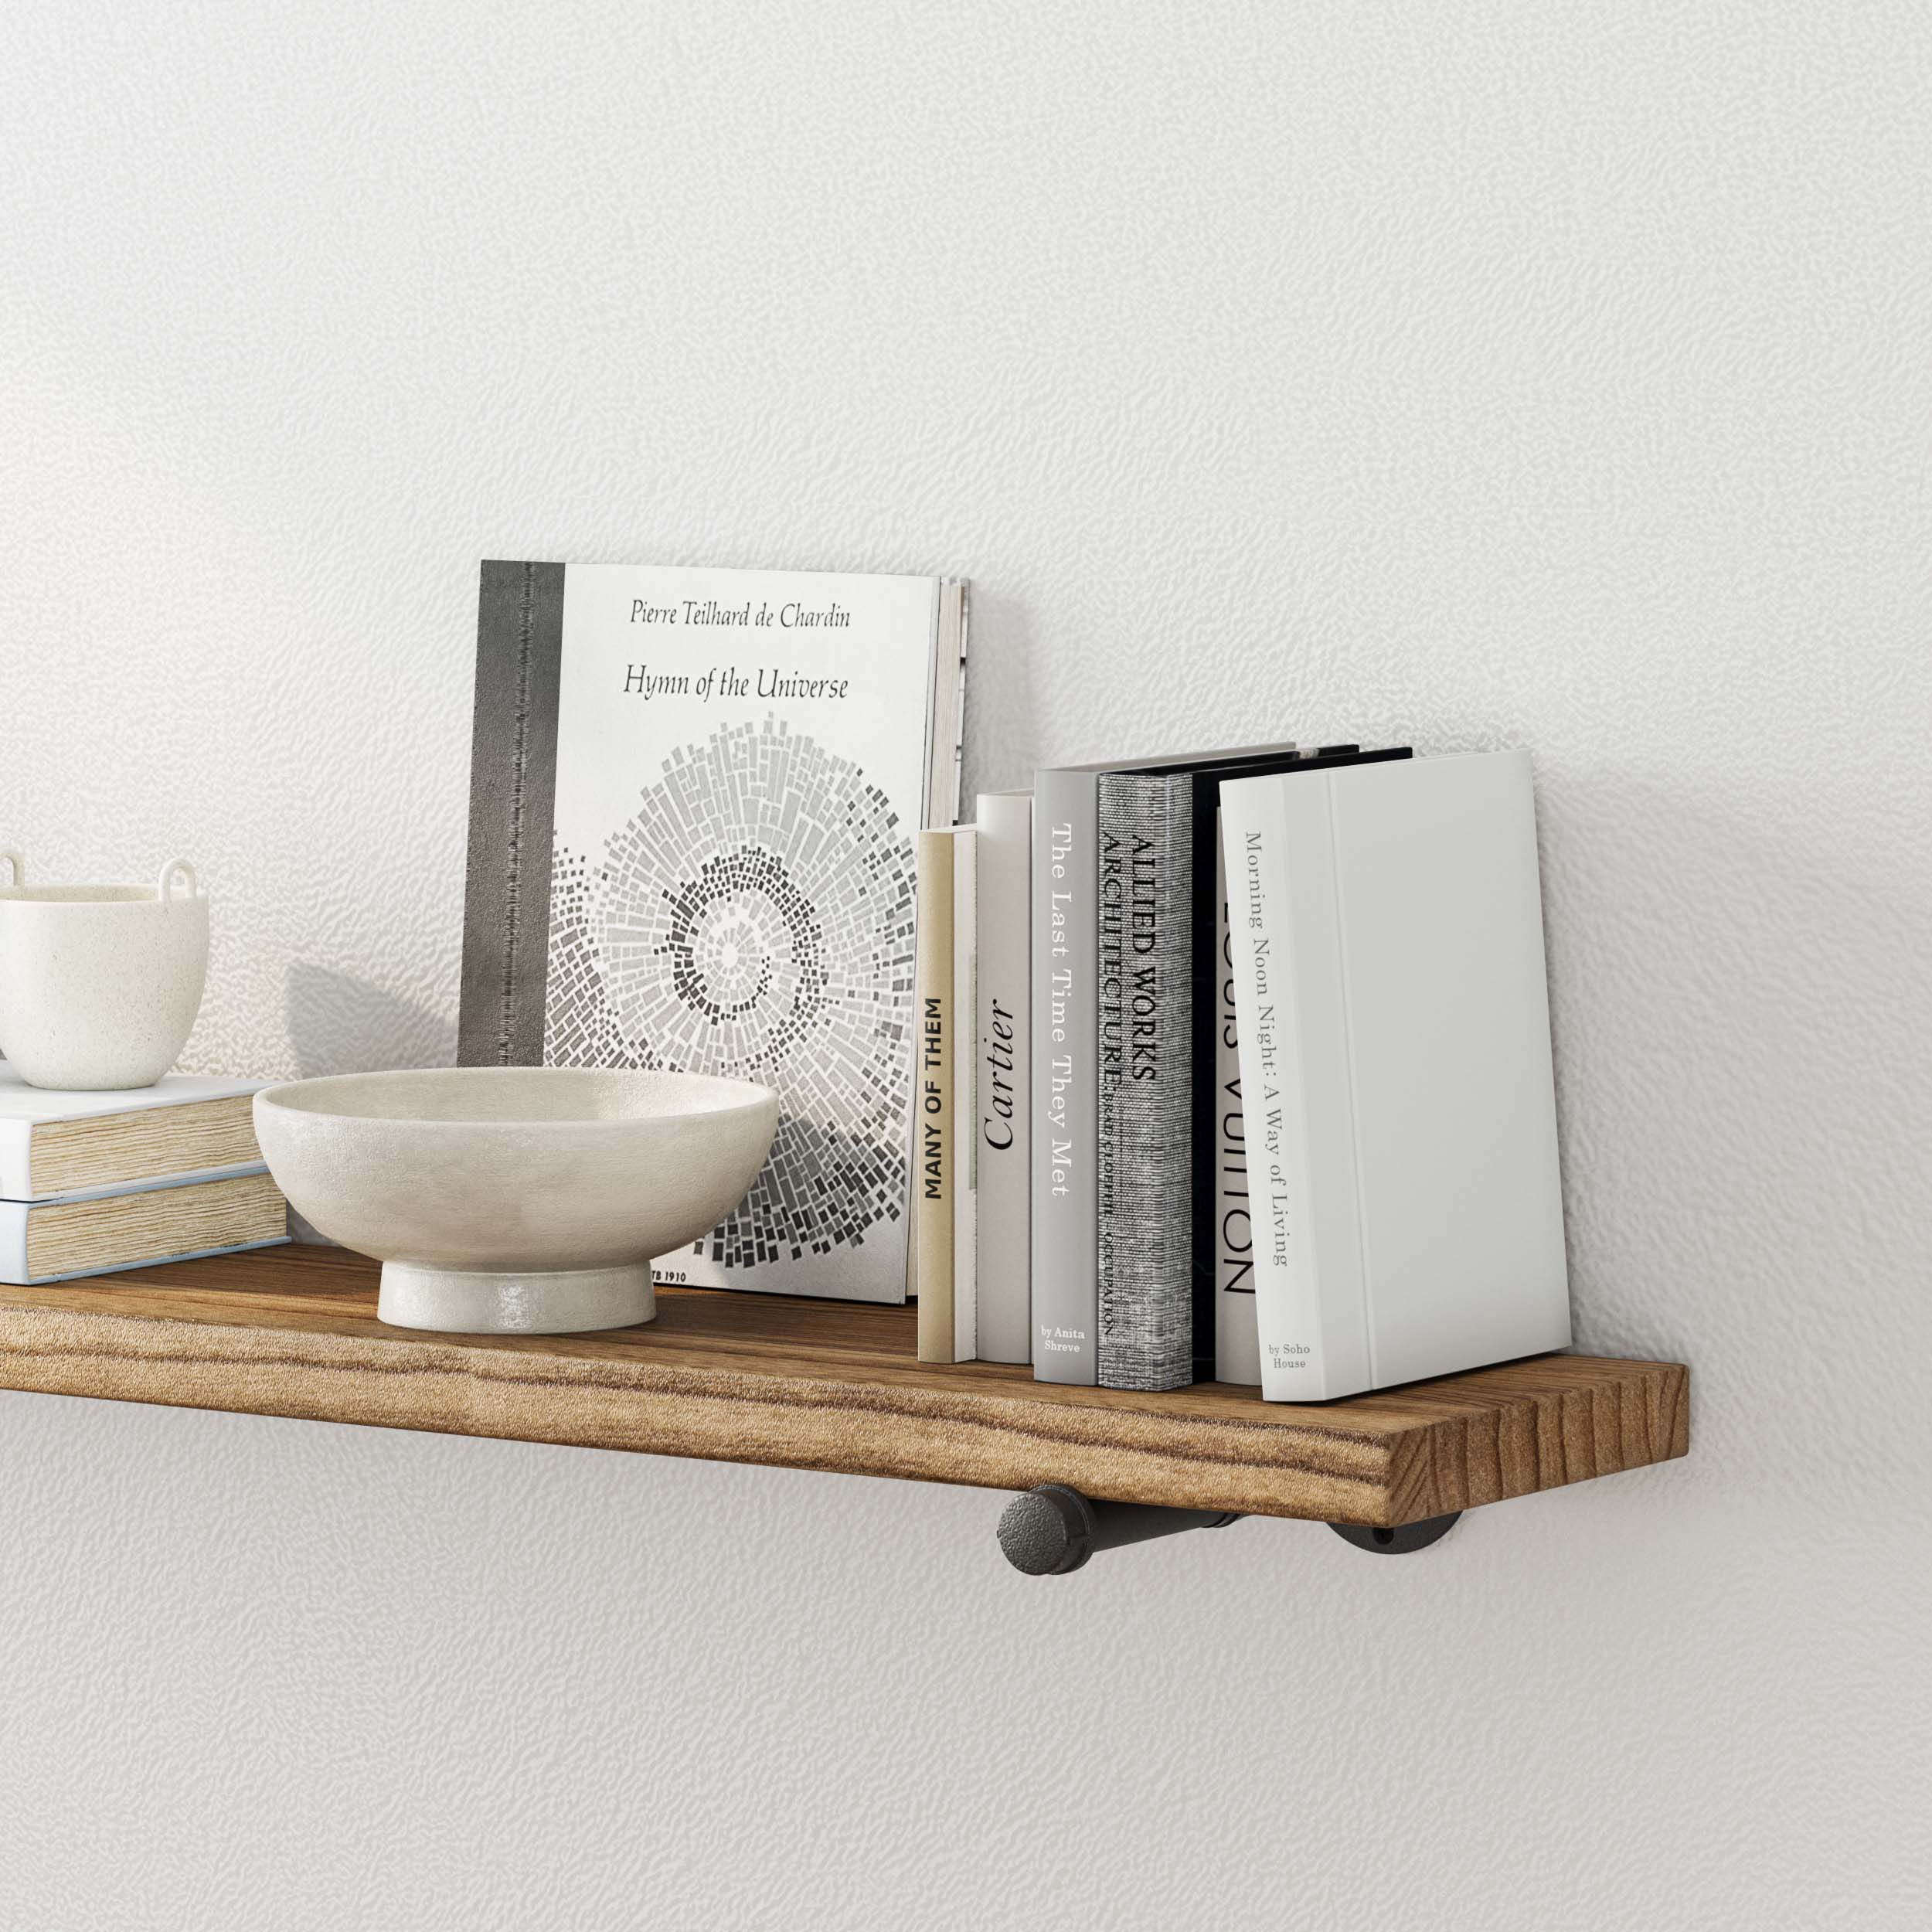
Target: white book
{"type": "Point", "coordinates": [965, 1102]}
{"type": "Point", "coordinates": [60, 1146]}
{"type": "Point", "coordinates": [694, 797]}
{"type": "Point", "coordinates": [63, 1240]}
{"type": "Point", "coordinates": [933, 1233]}
{"type": "Point", "coordinates": [1397, 1085]}
{"type": "Point", "coordinates": [1002, 1039]}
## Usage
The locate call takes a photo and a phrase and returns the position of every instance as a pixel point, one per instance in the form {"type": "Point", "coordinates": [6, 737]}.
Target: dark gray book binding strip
{"type": "Point", "coordinates": [506, 907]}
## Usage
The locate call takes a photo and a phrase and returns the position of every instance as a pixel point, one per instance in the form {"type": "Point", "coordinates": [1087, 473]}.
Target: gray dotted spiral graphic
{"type": "Point", "coordinates": [754, 917]}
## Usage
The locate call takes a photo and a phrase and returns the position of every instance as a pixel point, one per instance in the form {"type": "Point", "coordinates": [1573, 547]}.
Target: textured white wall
{"type": "Point", "coordinates": [1500, 373]}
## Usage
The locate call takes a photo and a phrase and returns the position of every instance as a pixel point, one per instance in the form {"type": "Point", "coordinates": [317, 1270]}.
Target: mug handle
{"type": "Point", "coordinates": [19, 866]}
{"type": "Point", "coordinates": [175, 869]}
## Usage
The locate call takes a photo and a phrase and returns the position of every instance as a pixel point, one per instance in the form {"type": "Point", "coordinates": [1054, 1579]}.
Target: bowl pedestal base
{"type": "Point", "coordinates": [521, 1301]}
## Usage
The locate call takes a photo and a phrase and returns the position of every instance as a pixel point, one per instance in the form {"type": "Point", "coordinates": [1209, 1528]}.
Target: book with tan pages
{"type": "Point", "coordinates": [100, 1234]}
{"type": "Point", "coordinates": [61, 1146]}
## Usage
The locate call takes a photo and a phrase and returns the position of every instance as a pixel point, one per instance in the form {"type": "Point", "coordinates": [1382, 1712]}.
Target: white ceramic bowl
{"type": "Point", "coordinates": [515, 1199]}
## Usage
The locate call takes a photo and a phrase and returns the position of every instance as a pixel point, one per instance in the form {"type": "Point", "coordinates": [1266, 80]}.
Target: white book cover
{"type": "Point", "coordinates": [965, 1099]}
{"type": "Point", "coordinates": [1002, 1039]}
{"type": "Point", "coordinates": [22, 1108]}
{"type": "Point", "coordinates": [1396, 1074]}
{"type": "Point", "coordinates": [742, 761]}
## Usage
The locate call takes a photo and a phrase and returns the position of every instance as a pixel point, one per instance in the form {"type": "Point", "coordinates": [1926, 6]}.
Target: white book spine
{"type": "Point", "coordinates": [1065, 1097]}
{"type": "Point", "coordinates": [13, 1242]}
{"type": "Point", "coordinates": [1002, 1140]}
{"type": "Point", "coordinates": [1274, 1099]}
{"type": "Point", "coordinates": [965, 1098]}
{"type": "Point", "coordinates": [16, 1161]}
{"type": "Point", "coordinates": [24, 1108]}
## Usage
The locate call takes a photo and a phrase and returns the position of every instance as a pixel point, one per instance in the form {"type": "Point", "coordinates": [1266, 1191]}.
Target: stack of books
{"type": "Point", "coordinates": [1236, 1065]}
{"type": "Point", "coordinates": [91, 1183]}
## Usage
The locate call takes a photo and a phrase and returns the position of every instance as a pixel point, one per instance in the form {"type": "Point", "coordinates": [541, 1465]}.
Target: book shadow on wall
{"type": "Point", "coordinates": [1724, 982]}
{"type": "Point", "coordinates": [340, 1024]}
{"type": "Point", "coordinates": [999, 686]}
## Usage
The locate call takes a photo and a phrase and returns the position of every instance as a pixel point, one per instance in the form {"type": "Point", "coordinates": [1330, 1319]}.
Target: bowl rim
{"type": "Point", "coordinates": [755, 1097]}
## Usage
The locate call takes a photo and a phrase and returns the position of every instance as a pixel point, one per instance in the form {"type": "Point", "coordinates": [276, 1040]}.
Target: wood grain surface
{"type": "Point", "coordinates": [817, 1384]}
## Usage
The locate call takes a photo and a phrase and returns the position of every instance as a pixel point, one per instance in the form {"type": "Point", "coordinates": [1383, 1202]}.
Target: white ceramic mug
{"type": "Point", "coordinates": [99, 985]}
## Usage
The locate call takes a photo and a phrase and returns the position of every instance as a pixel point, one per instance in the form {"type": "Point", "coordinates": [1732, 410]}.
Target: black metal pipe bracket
{"type": "Point", "coordinates": [1404, 1541]}
{"type": "Point", "coordinates": [1052, 1530]}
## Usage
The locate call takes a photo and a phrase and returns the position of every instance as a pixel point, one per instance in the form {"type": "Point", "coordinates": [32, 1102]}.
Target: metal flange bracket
{"type": "Point", "coordinates": [1053, 1529]}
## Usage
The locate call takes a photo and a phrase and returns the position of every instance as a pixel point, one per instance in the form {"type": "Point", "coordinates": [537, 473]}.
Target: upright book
{"type": "Point", "coordinates": [1226, 1347]}
{"type": "Point", "coordinates": [56, 1146]}
{"type": "Point", "coordinates": [694, 794]}
{"type": "Point", "coordinates": [103, 1233]}
{"type": "Point", "coordinates": [935, 1126]}
{"type": "Point", "coordinates": [1395, 1077]}
{"type": "Point", "coordinates": [1145, 1166]}
{"type": "Point", "coordinates": [965, 1147]}
{"type": "Point", "coordinates": [1003, 1130]}
{"type": "Point", "coordinates": [1066, 1072]}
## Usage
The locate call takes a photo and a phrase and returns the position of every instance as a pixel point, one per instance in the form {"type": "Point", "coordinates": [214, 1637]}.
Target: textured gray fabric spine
{"type": "Point", "coordinates": [1146, 1098]}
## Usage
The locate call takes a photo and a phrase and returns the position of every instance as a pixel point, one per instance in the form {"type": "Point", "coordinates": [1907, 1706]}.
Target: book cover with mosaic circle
{"type": "Point", "coordinates": [742, 767]}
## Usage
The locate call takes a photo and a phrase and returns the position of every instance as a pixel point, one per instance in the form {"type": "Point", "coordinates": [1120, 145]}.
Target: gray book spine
{"type": "Point", "coordinates": [1065, 842]}
{"type": "Point", "coordinates": [1145, 1220]}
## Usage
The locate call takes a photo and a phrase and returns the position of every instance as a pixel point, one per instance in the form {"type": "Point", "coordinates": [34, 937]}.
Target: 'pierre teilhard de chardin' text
{"type": "Point", "coordinates": [689, 612]}
{"type": "Point", "coordinates": [730, 680]}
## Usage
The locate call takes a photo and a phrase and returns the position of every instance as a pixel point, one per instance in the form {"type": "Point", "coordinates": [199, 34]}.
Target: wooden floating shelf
{"type": "Point", "coordinates": [832, 1385]}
